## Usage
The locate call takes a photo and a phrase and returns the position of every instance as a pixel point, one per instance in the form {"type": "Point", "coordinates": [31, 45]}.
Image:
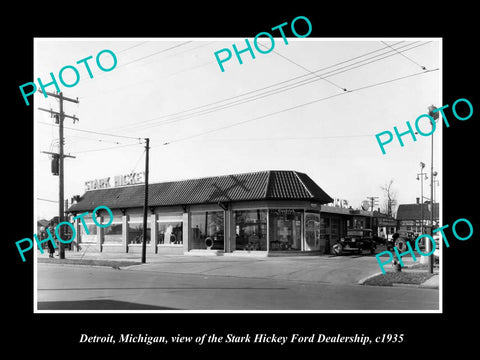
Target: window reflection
{"type": "Point", "coordinates": [207, 230]}
{"type": "Point", "coordinates": [312, 231]}
{"type": "Point", "coordinates": [170, 233]}
{"type": "Point", "coordinates": [135, 233]}
{"type": "Point", "coordinates": [251, 230]}
{"type": "Point", "coordinates": [285, 230]}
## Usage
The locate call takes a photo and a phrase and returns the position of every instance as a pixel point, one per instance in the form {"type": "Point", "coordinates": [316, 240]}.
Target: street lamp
{"type": "Point", "coordinates": [435, 117]}
{"type": "Point", "coordinates": [421, 174]}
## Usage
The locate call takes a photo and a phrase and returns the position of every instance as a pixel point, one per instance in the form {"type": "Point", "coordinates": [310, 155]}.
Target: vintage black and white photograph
{"type": "Point", "coordinates": [276, 173]}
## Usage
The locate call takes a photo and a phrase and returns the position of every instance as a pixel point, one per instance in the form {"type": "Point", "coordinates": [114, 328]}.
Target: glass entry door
{"type": "Point", "coordinates": [312, 232]}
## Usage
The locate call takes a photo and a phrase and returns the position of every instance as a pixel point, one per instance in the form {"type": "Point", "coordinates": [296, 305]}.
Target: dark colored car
{"type": "Point", "coordinates": [357, 240]}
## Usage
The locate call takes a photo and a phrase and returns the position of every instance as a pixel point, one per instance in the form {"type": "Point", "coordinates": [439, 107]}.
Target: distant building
{"type": "Point", "coordinates": [409, 216]}
{"type": "Point", "coordinates": [383, 224]}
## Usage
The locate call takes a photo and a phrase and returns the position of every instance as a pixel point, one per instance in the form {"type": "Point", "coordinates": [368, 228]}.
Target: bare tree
{"type": "Point", "coordinates": [390, 199]}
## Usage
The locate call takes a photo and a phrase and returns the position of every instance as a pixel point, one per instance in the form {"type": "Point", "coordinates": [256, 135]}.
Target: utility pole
{"type": "Point", "coordinates": [373, 200]}
{"type": "Point", "coordinates": [145, 203]}
{"type": "Point", "coordinates": [60, 116]}
{"type": "Point", "coordinates": [435, 115]}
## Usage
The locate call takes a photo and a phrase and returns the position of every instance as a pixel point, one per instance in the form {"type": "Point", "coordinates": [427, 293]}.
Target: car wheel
{"type": "Point", "coordinates": [337, 249]}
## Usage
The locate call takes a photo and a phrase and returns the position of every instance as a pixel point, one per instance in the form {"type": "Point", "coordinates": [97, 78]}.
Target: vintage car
{"type": "Point", "coordinates": [356, 240]}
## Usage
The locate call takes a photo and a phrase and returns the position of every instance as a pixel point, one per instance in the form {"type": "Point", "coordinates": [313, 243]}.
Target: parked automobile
{"type": "Point", "coordinates": [356, 240]}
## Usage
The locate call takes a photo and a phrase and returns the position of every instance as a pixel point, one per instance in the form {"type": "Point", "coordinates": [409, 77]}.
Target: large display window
{"type": "Point", "coordinates": [285, 230]}
{"type": "Point", "coordinates": [251, 230]}
{"type": "Point", "coordinates": [207, 229]}
{"type": "Point", "coordinates": [170, 232]}
{"type": "Point", "coordinates": [135, 233]}
{"type": "Point", "coordinates": [113, 232]}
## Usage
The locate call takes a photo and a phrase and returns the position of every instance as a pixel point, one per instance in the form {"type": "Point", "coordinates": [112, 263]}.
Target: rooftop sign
{"type": "Point", "coordinates": [119, 180]}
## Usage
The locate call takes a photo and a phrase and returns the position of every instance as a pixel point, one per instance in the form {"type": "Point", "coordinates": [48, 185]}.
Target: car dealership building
{"type": "Point", "coordinates": [252, 213]}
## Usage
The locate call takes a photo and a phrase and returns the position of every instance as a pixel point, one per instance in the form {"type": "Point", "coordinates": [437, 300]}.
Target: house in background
{"type": "Point", "coordinates": [411, 216]}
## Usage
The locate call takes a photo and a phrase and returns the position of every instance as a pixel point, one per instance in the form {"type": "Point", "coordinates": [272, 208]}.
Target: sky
{"type": "Point", "coordinates": [313, 105]}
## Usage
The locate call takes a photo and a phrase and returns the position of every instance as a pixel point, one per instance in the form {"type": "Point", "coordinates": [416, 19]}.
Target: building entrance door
{"type": "Point", "coordinates": [312, 232]}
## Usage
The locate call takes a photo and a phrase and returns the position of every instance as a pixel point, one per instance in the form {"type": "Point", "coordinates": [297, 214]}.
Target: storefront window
{"type": "Point", "coordinates": [285, 230]}
{"type": "Point", "coordinates": [251, 230]}
{"type": "Point", "coordinates": [170, 232]}
{"type": "Point", "coordinates": [92, 229]}
{"type": "Point", "coordinates": [312, 231]}
{"type": "Point", "coordinates": [207, 230]}
{"type": "Point", "coordinates": [113, 229]}
{"type": "Point", "coordinates": [135, 233]}
{"type": "Point", "coordinates": [113, 234]}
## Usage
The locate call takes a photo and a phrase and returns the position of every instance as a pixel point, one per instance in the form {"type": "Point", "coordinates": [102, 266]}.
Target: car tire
{"type": "Point", "coordinates": [337, 249]}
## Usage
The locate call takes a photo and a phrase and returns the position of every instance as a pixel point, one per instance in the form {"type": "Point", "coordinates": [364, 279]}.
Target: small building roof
{"type": "Point", "coordinates": [414, 211]}
{"type": "Point", "coordinates": [43, 222]}
{"type": "Point", "coordinates": [263, 185]}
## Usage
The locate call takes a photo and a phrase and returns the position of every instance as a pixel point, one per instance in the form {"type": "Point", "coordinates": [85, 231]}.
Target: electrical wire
{"type": "Point", "coordinates": [178, 117]}
{"type": "Point", "coordinates": [103, 149]}
{"type": "Point", "coordinates": [254, 97]}
{"type": "Point", "coordinates": [54, 201]}
{"type": "Point", "coordinates": [155, 53]}
{"type": "Point", "coordinates": [304, 68]}
{"type": "Point", "coordinates": [295, 107]}
{"type": "Point", "coordinates": [405, 56]}
{"type": "Point", "coordinates": [138, 161]}
{"type": "Point", "coordinates": [93, 132]}
{"type": "Point", "coordinates": [131, 47]}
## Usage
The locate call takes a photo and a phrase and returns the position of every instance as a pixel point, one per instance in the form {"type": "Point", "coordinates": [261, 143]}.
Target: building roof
{"type": "Point", "coordinates": [263, 185]}
{"type": "Point", "coordinates": [414, 211]}
{"type": "Point", "coordinates": [43, 222]}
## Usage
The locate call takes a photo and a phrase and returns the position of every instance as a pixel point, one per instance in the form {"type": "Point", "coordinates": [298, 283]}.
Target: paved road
{"type": "Point", "coordinates": [196, 283]}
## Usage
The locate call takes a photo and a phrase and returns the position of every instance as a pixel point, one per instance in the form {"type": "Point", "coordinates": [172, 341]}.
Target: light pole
{"type": "Point", "coordinates": [431, 110]}
{"type": "Point", "coordinates": [421, 174]}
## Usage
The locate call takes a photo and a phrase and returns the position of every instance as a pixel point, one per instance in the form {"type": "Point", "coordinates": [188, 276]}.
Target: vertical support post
{"type": "Point", "coordinates": [145, 204]}
{"type": "Point", "coordinates": [61, 117]}
{"type": "Point", "coordinates": [187, 232]}
{"type": "Point", "coordinates": [153, 232]}
{"type": "Point", "coordinates": [61, 210]}
{"type": "Point", "coordinates": [432, 206]}
{"type": "Point", "coordinates": [125, 232]}
{"type": "Point", "coordinates": [100, 234]}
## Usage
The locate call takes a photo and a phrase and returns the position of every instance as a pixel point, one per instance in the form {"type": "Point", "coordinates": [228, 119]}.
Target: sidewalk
{"type": "Point", "coordinates": [346, 270]}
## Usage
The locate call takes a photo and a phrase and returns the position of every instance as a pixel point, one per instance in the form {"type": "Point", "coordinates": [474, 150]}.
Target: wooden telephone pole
{"type": "Point", "coordinates": [60, 116]}
{"type": "Point", "coordinates": [145, 204]}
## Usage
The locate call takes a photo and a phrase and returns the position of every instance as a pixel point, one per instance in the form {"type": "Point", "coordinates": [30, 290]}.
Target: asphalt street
{"type": "Point", "coordinates": [200, 283]}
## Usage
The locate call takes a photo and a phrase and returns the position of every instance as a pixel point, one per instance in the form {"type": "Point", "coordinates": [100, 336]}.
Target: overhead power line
{"type": "Point", "coordinates": [405, 56]}
{"type": "Point", "coordinates": [155, 53]}
{"type": "Point", "coordinates": [304, 68]}
{"type": "Point", "coordinates": [131, 47]}
{"type": "Point", "coordinates": [217, 105]}
{"type": "Point", "coordinates": [296, 107]}
{"type": "Point", "coordinates": [106, 148]}
{"type": "Point", "coordinates": [94, 132]}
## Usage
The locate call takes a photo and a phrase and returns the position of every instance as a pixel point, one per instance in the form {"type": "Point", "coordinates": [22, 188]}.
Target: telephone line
{"type": "Point", "coordinates": [253, 97]}
{"type": "Point", "coordinates": [296, 106]}
{"type": "Point", "coordinates": [155, 53]}
{"type": "Point", "coordinates": [95, 132]}
{"type": "Point", "coordinates": [178, 117]}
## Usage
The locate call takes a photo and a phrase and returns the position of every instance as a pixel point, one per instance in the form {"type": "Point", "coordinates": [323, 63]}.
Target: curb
{"type": "Point", "coordinates": [431, 283]}
{"type": "Point", "coordinates": [362, 281]}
